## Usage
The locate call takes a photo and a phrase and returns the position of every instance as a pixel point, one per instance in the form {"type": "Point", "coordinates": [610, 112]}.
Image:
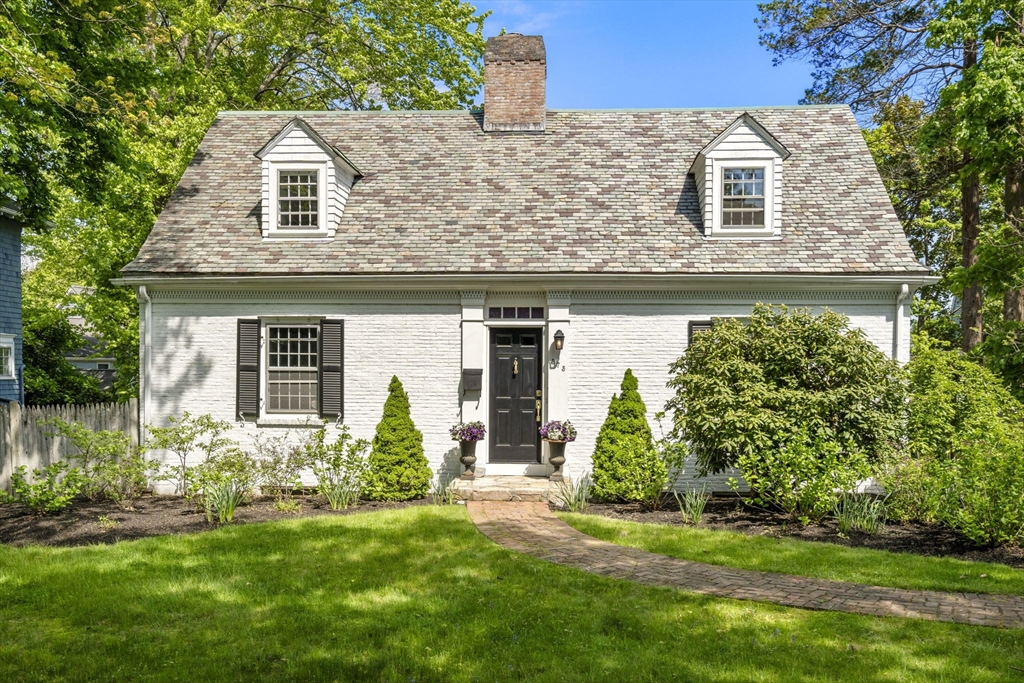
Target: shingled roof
{"type": "Point", "coordinates": [597, 192]}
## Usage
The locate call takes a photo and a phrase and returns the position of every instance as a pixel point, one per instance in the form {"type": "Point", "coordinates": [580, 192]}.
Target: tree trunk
{"type": "Point", "coordinates": [1013, 206]}
{"type": "Point", "coordinates": [970, 210]}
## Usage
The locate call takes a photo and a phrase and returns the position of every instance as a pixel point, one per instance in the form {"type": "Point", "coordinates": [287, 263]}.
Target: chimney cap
{"type": "Point", "coordinates": [515, 47]}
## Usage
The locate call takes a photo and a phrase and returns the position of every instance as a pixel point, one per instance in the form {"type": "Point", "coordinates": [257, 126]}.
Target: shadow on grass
{"type": "Point", "coordinates": [418, 594]}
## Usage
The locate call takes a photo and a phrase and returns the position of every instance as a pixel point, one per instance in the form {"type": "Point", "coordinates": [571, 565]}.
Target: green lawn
{"type": "Point", "coordinates": [790, 556]}
{"type": "Point", "coordinates": [419, 595]}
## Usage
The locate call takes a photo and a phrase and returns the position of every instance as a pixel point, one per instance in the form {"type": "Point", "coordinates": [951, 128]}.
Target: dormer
{"type": "Point", "coordinates": [306, 182]}
{"type": "Point", "coordinates": [739, 182]}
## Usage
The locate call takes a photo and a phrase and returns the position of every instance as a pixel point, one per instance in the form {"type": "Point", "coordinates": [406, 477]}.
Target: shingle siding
{"type": "Point", "coordinates": [10, 297]}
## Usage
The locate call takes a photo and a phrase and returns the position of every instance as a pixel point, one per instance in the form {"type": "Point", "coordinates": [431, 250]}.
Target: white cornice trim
{"type": "Point", "coordinates": [508, 282]}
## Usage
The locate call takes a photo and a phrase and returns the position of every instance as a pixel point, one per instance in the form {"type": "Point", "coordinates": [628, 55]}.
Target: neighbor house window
{"type": "Point", "coordinates": [743, 198]}
{"type": "Point", "coordinates": [293, 358]}
{"type": "Point", "coordinates": [7, 356]}
{"type": "Point", "coordinates": [298, 200]}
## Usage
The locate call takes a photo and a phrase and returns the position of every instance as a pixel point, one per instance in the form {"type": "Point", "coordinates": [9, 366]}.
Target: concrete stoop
{"type": "Point", "coordinates": [519, 489]}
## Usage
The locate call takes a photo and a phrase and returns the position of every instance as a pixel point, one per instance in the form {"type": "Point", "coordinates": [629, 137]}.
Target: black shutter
{"type": "Point", "coordinates": [332, 369]}
{"type": "Point", "coordinates": [247, 386]}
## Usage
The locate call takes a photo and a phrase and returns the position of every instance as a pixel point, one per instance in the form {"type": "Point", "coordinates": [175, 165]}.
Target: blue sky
{"type": "Point", "coordinates": [620, 54]}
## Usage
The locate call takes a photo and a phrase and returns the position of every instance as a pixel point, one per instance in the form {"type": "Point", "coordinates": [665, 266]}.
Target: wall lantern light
{"type": "Point", "coordinates": [559, 340]}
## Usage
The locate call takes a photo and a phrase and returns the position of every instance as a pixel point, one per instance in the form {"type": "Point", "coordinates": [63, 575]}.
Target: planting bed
{"type": "Point", "coordinates": [730, 514]}
{"type": "Point", "coordinates": [152, 516]}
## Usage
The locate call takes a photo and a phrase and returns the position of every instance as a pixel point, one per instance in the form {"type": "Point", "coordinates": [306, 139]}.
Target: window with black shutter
{"type": "Point", "coordinates": [332, 369]}
{"type": "Point", "coordinates": [247, 387]}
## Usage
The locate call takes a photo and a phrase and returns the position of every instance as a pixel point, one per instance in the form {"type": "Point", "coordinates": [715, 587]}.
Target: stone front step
{"type": "Point", "coordinates": [506, 488]}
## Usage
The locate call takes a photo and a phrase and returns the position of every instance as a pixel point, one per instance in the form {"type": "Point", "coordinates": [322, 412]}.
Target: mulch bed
{"type": "Point", "coordinates": [730, 514]}
{"type": "Point", "coordinates": [152, 516]}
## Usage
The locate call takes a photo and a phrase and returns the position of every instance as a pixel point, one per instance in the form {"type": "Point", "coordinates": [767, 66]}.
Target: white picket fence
{"type": "Point", "coordinates": [24, 440]}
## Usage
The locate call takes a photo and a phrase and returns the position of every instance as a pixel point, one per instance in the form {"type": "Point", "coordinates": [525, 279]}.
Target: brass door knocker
{"type": "Point", "coordinates": [515, 367]}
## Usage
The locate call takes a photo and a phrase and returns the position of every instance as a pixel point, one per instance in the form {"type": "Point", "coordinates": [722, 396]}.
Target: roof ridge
{"type": "Point", "coordinates": [414, 112]}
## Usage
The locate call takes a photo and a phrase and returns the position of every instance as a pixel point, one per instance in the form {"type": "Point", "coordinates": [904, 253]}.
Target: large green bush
{"type": "Point", "coordinates": [626, 464]}
{"type": "Point", "coordinates": [398, 470]}
{"type": "Point", "coordinates": [964, 462]}
{"type": "Point", "coordinates": [750, 389]}
{"type": "Point", "coordinates": [757, 396]}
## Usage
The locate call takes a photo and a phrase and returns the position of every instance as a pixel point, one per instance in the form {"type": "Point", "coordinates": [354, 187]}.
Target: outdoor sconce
{"type": "Point", "coordinates": [559, 340]}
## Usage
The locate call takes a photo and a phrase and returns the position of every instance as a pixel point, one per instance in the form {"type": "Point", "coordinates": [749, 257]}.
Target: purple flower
{"type": "Point", "coordinates": [557, 430]}
{"type": "Point", "coordinates": [468, 431]}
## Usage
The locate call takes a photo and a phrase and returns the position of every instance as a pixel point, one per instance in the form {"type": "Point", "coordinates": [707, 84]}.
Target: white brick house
{"type": "Point", "coordinates": [449, 248]}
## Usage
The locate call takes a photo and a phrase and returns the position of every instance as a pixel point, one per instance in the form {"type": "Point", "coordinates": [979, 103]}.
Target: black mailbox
{"type": "Point", "coordinates": [472, 380]}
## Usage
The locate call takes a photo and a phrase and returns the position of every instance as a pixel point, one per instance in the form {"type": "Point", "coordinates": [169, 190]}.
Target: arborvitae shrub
{"type": "Point", "coordinates": [398, 470]}
{"type": "Point", "coordinates": [626, 464]}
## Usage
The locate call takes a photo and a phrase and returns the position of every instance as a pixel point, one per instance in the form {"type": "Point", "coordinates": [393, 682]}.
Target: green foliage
{"type": "Point", "coordinates": [692, 502]}
{"type": "Point", "coordinates": [48, 338]}
{"type": "Point", "coordinates": [805, 477]}
{"type": "Point", "coordinates": [398, 469]}
{"type": "Point", "coordinates": [442, 490]}
{"type": "Point", "coordinates": [964, 464]}
{"type": "Point", "coordinates": [222, 481]}
{"type": "Point", "coordinates": [339, 467]}
{"type": "Point", "coordinates": [52, 489]}
{"type": "Point", "coordinates": [746, 392]}
{"type": "Point", "coordinates": [860, 512]}
{"type": "Point", "coordinates": [189, 437]}
{"type": "Point", "coordinates": [279, 465]}
{"type": "Point", "coordinates": [574, 494]}
{"type": "Point", "coordinates": [110, 465]}
{"type": "Point", "coordinates": [626, 464]}
{"type": "Point", "coordinates": [102, 106]}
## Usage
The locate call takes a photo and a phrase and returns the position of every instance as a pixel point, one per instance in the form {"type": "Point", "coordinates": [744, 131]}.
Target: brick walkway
{"type": "Point", "coordinates": [532, 529]}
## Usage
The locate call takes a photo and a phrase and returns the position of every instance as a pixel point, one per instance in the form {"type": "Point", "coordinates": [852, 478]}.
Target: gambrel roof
{"type": "Point", "coordinates": [597, 192]}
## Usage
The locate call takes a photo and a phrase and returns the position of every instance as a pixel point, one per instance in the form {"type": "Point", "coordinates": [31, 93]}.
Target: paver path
{"type": "Point", "coordinates": [532, 529]}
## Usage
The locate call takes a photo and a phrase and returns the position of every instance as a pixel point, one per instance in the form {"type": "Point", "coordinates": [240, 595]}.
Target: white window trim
{"type": "Point", "coordinates": [276, 168]}
{"type": "Point", "coordinates": [10, 372]}
{"type": "Point", "coordinates": [718, 167]}
{"type": "Point", "coordinates": [275, 418]}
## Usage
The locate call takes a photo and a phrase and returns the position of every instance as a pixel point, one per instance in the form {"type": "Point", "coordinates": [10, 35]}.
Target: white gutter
{"type": "Point", "coordinates": [146, 342]}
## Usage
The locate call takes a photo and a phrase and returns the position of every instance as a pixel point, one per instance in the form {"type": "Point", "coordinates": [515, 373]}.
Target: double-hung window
{"type": "Point", "coordinates": [298, 200]}
{"type": "Point", "coordinates": [7, 370]}
{"type": "Point", "coordinates": [743, 198]}
{"type": "Point", "coordinates": [293, 355]}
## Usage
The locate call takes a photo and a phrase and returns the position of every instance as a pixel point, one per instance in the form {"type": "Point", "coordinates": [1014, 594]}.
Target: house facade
{"type": "Point", "coordinates": [11, 385]}
{"type": "Point", "coordinates": [507, 265]}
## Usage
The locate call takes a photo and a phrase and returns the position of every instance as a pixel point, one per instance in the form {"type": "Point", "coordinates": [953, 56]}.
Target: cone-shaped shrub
{"type": "Point", "coordinates": [626, 465]}
{"type": "Point", "coordinates": [398, 470]}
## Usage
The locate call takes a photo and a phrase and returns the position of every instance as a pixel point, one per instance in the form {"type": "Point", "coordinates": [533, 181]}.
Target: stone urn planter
{"type": "Point", "coordinates": [557, 433]}
{"type": "Point", "coordinates": [467, 434]}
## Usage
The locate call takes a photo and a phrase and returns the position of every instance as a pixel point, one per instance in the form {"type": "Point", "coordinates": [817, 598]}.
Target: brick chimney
{"type": "Point", "coordinates": [515, 70]}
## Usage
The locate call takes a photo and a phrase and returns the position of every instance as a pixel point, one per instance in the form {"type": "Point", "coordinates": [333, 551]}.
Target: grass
{"type": "Point", "coordinates": [420, 595]}
{"type": "Point", "coordinates": [804, 558]}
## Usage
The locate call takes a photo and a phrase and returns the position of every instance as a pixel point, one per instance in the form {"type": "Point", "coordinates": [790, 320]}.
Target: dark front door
{"type": "Point", "coordinates": [515, 395]}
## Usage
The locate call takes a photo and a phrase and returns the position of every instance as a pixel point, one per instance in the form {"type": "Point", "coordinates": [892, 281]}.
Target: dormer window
{"type": "Point", "coordinates": [739, 182]}
{"type": "Point", "coordinates": [306, 183]}
{"type": "Point", "coordinates": [743, 198]}
{"type": "Point", "coordinates": [298, 200]}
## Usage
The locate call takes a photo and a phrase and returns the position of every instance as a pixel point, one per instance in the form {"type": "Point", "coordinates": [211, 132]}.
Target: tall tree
{"type": "Point", "coordinates": [230, 54]}
{"type": "Point", "coordinates": [869, 54]}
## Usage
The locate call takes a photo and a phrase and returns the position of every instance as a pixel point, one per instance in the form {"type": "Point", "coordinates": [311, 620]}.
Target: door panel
{"type": "Point", "coordinates": [515, 388]}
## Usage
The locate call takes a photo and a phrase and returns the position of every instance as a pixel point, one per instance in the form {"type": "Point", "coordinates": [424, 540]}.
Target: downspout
{"type": "Point", "coordinates": [897, 328]}
{"type": "Point", "coordinates": [144, 366]}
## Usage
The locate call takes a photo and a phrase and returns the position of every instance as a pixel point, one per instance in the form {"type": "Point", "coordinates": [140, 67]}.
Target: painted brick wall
{"type": "Point", "coordinates": [10, 295]}
{"type": "Point", "coordinates": [608, 338]}
{"type": "Point", "coordinates": [193, 364]}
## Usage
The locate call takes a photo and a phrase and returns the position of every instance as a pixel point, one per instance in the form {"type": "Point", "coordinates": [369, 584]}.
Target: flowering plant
{"type": "Point", "coordinates": [468, 431]}
{"type": "Point", "coordinates": [558, 431]}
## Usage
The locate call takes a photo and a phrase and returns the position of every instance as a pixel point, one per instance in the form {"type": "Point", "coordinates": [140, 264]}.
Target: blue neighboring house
{"type": "Point", "coordinates": [11, 368]}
